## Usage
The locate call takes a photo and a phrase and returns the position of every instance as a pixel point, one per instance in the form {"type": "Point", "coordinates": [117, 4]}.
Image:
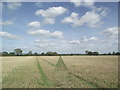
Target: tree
{"type": "Point", "coordinates": [90, 53]}
{"type": "Point", "coordinates": [86, 52]}
{"type": "Point", "coordinates": [109, 53]}
{"type": "Point", "coordinates": [42, 53]}
{"type": "Point", "coordinates": [30, 53]}
{"type": "Point", "coordinates": [11, 54]}
{"type": "Point", "coordinates": [117, 53]}
{"type": "Point", "coordinates": [18, 52]}
{"type": "Point", "coordinates": [51, 53]}
{"type": "Point", "coordinates": [4, 53]}
{"type": "Point", "coordinates": [95, 53]}
{"type": "Point", "coordinates": [55, 53]}
{"type": "Point", "coordinates": [35, 54]}
{"type": "Point", "coordinates": [113, 53]}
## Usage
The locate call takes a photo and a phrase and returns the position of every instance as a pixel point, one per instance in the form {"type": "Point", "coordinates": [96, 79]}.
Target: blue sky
{"type": "Point", "coordinates": [64, 27]}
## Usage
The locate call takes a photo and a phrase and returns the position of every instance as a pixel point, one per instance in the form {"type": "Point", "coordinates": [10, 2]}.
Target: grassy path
{"type": "Point", "coordinates": [44, 78]}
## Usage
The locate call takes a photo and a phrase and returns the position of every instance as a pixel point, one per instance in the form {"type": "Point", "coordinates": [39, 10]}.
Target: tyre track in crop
{"type": "Point", "coordinates": [44, 78]}
{"type": "Point", "coordinates": [94, 85]}
{"type": "Point", "coordinates": [47, 62]}
{"type": "Point", "coordinates": [82, 80]}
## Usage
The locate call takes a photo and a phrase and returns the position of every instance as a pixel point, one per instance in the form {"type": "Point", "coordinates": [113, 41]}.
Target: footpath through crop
{"type": "Point", "coordinates": [44, 78]}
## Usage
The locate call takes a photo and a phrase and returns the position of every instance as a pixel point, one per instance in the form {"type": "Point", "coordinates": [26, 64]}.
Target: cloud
{"type": "Point", "coordinates": [41, 41]}
{"type": "Point", "coordinates": [13, 5]}
{"type": "Point", "coordinates": [48, 34]}
{"type": "Point", "coordinates": [64, 41]}
{"type": "Point", "coordinates": [35, 24]}
{"type": "Point", "coordinates": [50, 14]}
{"type": "Point", "coordinates": [73, 18]}
{"type": "Point", "coordinates": [44, 44]}
{"type": "Point", "coordinates": [8, 22]}
{"type": "Point", "coordinates": [111, 32]}
{"type": "Point", "coordinates": [91, 18]}
{"type": "Point", "coordinates": [8, 35]}
{"type": "Point", "coordinates": [75, 42]}
{"type": "Point", "coordinates": [84, 39]}
{"type": "Point", "coordinates": [47, 45]}
{"type": "Point", "coordinates": [49, 21]}
{"type": "Point", "coordinates": [84, 3]}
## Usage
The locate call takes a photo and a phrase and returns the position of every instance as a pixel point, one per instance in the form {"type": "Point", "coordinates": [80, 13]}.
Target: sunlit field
{"type": "Point", "coordinates": [60, 72]}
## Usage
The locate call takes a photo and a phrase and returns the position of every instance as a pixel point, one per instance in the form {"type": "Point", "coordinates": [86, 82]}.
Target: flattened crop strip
{"type": "Point", "coordinates": [48, 62]}
{"type": "Point", "coordinates": [94, 85]}
{"type": "Point", "coordinates": [44, 78]}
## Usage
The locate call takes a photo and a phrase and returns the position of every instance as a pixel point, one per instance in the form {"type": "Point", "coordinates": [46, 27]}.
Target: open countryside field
{"type": "Point", "coordinates": [60, 72]}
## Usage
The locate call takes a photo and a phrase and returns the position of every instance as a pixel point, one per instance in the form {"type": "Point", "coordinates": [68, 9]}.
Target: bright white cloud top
{"type": "Point", "coordinates": [35, 24]}
{"type": "Point", "coordinates": [91, 18]}
{"type": "Point", "coordinates": [84, 3]}
{"type": "Point", "coordinates": [46, 33]}
{"type": "Point", "coordinates": [51, 12]}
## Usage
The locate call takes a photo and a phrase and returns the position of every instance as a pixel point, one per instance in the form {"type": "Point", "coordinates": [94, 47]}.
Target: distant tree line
{"type": "Point", "coordinates": [19, 52]}
{"type": "Point", "coordinates": [97, 53]}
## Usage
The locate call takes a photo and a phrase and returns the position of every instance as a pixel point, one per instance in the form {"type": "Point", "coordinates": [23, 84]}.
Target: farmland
{"type": "Point", "coordinates": [60, 72]}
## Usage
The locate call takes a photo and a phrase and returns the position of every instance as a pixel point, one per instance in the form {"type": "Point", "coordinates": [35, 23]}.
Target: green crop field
{"type": "Point", "coordinates": [60, 72]}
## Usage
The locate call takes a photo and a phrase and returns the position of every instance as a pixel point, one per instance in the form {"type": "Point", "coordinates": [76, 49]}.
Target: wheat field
{"type": "Point", "coordinates": [60, 72]}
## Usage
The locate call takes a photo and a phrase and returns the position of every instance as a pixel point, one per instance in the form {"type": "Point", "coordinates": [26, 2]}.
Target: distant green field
{"type": "Point", "coordinates": [60, 72]}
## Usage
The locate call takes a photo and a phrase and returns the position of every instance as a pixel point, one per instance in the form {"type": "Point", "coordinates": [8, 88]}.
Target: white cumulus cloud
{"type": "Point", "coordinates": [75, 42]}
{"type": "Point", "coordinates": [111, 32]}
{"type": "Point", "coordinates": [46, 33]}
{"type": "Point", "coordinates": [8, 35]}
{"type": "Point", "coordinates": [50, 14]}
{"type": "Point", "coordinates": [84, 39]}
{"type": "Point", "coordinates": [34, 24]}
{"type": "Point", "coordinates": [85, 3]}
{"type": "Point", "coordinates": [91, 18]}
